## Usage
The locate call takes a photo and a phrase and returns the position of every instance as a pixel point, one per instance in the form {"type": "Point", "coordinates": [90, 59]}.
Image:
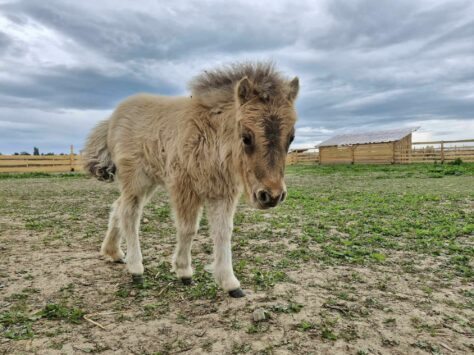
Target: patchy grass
{"type": "Point", "coordinates": [5, 176]}
{"type": "Point", "coordinates": [16, 325]}
{"type": "Point", "coordinates": [359, 260]}
{"type": "Point", "coordinates": [61, 312]}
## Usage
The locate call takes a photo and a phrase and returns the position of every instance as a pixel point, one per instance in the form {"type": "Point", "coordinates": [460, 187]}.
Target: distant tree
{"type": "Point", "coordinates": [49, 153]}
{"type": "Point", "coordinates": [16, 153]}
{"type": "Point", "coordinates": [36, 151]}
{"type": "Point", "coordinates": [1, 153]}
{"type": "Point", "coordinates": [25, 153]}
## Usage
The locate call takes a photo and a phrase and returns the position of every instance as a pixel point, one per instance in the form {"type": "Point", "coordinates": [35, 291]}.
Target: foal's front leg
{"type": "Point", "coordinates": [187, 214]}
{"type": "Point", "coordinates": [221, 214]}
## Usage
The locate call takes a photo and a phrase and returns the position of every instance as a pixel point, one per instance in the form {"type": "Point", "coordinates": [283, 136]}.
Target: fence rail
{"type": "Point", "coordinates": [421, 152]}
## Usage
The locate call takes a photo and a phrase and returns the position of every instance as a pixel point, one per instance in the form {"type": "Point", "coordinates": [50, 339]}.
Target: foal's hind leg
{"type": "Point", "coordinates": [111, 244]}
{"type": "Point", "coordinates": [188, 213]}
{"type": "Point", "coordinates": [129, 213]}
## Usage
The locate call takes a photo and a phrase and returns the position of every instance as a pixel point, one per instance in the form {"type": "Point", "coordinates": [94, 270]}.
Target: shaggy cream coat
{"type": "Point", "coordinates": [230, 136]}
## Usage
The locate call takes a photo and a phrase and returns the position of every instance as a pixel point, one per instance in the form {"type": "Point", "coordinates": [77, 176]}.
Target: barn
{"type": "Point", "coordinates": [378, 147]}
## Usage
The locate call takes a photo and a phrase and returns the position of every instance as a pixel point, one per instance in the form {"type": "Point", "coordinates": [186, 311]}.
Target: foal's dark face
{"type": "Point", "coordinates": [266, 128]}
{"type": "Point", "coordinates": [266, 133]}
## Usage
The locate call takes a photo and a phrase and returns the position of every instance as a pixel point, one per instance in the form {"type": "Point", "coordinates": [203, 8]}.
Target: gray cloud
{"type": "Point", "coordinates": [81, 88]}
{"type": "Point", "coordinates": [5, 42]}
{"type": "Point", "coordinates": [369, 24]}
{"type": "Point", "coordinates": [167, 34]}
{"type": "Point", "coordinates": [362, 64]}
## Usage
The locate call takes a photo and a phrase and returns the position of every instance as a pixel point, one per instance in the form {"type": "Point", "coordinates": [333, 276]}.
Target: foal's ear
{"type": "Point", "coordinates": [293, 88]}
{"type": "Point", "coordinates": [244, 90]}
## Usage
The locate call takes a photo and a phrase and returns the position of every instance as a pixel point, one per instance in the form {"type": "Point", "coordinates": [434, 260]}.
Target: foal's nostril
{"type": "Point", "coordinates": [263, 197]}
{"type": "Point", "coordinates": [283, 196]}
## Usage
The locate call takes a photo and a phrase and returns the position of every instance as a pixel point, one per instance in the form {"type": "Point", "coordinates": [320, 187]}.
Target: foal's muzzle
{"type": "Point", "coordinates": [267, 198]}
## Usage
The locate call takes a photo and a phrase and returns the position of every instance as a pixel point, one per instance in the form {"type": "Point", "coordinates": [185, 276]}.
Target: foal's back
{"type": "Point", "coordinates": [145, 131]}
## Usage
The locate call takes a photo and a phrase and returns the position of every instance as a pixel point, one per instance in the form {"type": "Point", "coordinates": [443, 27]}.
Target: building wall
{"type": "Point", "coordinates": [372, 153]}
{"type": "Point", "coordinates": [377, 153]}
{"type": "Point", "coordinates": [335, 155]}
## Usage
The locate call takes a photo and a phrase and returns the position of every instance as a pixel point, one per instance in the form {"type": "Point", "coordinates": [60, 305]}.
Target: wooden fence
{"type": "Point", "coordinates": [421, 152]}
{"type": "Point", "coordinates": [40, 163]}
{"type": "Point", "coordinates": [302, 157]}
{"type": "Point", "coordinates": [442, 151]}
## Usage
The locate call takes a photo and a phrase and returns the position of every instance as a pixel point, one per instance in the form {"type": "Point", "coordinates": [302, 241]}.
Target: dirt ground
{"type": "Point", "coordinates": [363, 261]}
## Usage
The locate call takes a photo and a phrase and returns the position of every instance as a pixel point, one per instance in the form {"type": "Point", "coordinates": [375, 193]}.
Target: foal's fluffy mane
{"type": "Point", "coordinates": [216, 87]}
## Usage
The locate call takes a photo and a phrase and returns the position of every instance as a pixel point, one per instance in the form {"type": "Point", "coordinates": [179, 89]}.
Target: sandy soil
{"type": "Point", "coordinates": [50, 234]}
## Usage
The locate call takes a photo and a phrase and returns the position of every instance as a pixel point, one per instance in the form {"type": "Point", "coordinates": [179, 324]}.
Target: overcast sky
{"type": "Point", "coordinates": [363, 65]}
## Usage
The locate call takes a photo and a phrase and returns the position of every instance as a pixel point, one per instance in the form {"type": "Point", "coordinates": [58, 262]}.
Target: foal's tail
{"type": "Point", "coordinates": [96, 155]}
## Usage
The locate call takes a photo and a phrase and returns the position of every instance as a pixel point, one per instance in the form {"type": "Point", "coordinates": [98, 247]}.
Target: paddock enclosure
{"type": "Point", "coordinates": [360, 259]}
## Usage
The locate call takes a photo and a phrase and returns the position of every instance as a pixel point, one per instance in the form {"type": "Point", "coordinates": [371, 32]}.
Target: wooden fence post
{"type": "Point", "coordinates": [442, 152]}
{"type": "Point", "coordinates": [71, 159]}
{"type": "Point", "coordinates": [393, 153]}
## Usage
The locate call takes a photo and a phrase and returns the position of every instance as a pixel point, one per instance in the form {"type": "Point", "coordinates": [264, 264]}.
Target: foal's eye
{"type": "Point", "coordinates": [247, 139]}
{"type": "Point", "coordinates": [292, 137]}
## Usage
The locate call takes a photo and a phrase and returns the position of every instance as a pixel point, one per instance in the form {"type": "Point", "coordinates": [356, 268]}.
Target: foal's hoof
{"type": "Point", "coordinates": [187, 281]}
{"type": "Point", "coordinates": [137, 279]}
{"type": "Point", "coordinates": [237, 293]}
{"type": "Point", "coordinates": [120, 261]}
